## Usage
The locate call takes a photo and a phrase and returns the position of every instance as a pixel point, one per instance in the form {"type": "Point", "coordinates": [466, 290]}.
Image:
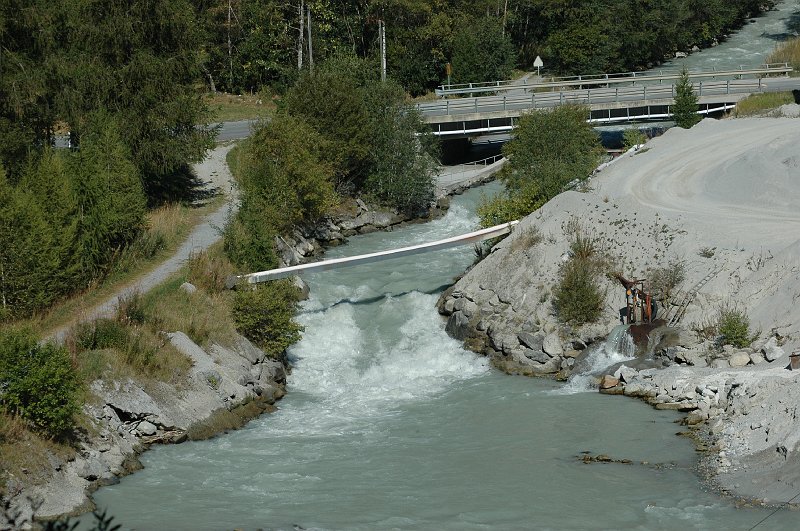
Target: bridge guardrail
{"type": "Point", "coordinates": [586, 96]}
{"type": "Point", "coordinates": [609, 79]}
{"type": "Point", "coordinates": [488, 161]}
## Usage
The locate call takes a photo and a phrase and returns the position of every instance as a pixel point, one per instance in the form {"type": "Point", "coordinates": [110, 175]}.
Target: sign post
{"type": "Point", "coordinates": [538, 64]}
{"type": "Point", "coordinates": [449, 70]}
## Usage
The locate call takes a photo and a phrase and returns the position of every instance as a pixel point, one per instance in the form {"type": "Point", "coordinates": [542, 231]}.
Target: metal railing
{"type": "Point", "coordinates": [488, 161]}
{"type": "Point", "coordinates": [640, 113]}
{"type": "Point", "coordinates": [609, 79]}
{"type": "Point", "coordinates": [490, 104]}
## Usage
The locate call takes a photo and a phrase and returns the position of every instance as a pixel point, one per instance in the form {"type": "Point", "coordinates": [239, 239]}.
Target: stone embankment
{"type": "Point", "coordinates": [715, 209]}
{"type": "Point", "coordinates": [226, 386]}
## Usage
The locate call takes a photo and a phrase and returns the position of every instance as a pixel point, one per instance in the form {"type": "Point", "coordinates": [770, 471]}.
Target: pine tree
{"type": "Point", "coordinates": [685, 109]}
{"type": "Point", "coordinates": [27, 256]}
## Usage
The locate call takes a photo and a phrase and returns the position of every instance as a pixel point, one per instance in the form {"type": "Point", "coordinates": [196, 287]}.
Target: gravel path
{"type": "Point", "coordinates": [215, 173]}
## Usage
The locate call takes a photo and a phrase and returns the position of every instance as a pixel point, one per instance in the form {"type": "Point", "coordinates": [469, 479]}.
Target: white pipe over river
{"type": "Point", "coordinates": [336, 263]}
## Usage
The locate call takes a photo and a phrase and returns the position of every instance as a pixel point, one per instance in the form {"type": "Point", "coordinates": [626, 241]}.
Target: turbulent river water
{"type": "Point", "coordinates": [389, 423]}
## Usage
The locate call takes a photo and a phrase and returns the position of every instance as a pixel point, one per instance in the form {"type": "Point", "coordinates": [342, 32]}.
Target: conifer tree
{"type": "Point", "coordinates": [685, 109]}
{"type": "Point", "coordinates": [27, 257]}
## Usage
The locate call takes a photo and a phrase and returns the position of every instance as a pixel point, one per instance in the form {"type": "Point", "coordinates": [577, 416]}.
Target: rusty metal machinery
{"type": "Point", "coordinates": [640, 306]}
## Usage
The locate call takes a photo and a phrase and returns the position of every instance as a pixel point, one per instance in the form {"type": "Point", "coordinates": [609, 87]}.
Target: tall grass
{"type": "Point", "coordinates": [166, 228]}
{"type": "Point", "coordinates": [759, 104]}
{"type": "Point", "coordinates": [787, 52]}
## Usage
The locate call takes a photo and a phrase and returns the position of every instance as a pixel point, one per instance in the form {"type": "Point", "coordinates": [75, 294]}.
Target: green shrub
{"type": "Point", "coordinates": [264, 315]}
{"type": "Point", "coordinates": [505, 207]}
{"type": "Point", "coordinates": [664, 280]}
{"type": "Point", "coordinates": [578, 297]}
{"type": "Point", "coordinates": [250, 240]}
{"type": "Point", "coordinates": [733, 325]}
{"type": "Point", "coordinates": [38, 382]}
{"type": "Point", "coordinates": [549, 150]}
{"type": "Point", "coordinates": [633, 137]}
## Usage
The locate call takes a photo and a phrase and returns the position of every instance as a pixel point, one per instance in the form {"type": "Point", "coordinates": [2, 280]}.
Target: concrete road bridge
{"type": "Point", "coordinates": [612, 98]}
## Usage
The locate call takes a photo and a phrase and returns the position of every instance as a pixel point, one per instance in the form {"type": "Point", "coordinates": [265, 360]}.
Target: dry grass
{"type": "Point", "coordinates": [231, 107]}
{"type": "Point", "coordinates": [204, 317]}
{"type": "Point", "coordinates": [209, 270]}
{"type": "Point", "coordinates": [760, 104]}
{"type": "Point", "coordinates": [527, 239]}
{"type": "Point", "coordinates": [787, 52]}
{"type": "Point", "coordinates": [25, 455]}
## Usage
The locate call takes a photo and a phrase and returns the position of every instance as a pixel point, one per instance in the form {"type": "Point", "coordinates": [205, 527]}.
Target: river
{"type": "Point", "coordinates": [389, 423]}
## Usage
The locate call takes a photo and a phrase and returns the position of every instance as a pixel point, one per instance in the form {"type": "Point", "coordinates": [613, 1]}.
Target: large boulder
{"type": "Point", "coordinates": [771, 350]}
{"type": "Point", "coordinates": [739, 359]}
{"type": "Point", "coordinates": [552, 344]}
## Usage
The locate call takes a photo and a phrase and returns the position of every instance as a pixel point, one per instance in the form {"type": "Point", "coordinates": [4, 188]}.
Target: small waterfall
{"type": "Point", "coordinates": [616, 348]}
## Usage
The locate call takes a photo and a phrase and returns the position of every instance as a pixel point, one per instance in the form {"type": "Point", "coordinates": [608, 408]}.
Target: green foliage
{"type": "Point", "coordinates": [249, 238]}
{"type": "Point", "coordinates": [482, 51]}
{"type": "Point", "coordinates": [281, 164]}
{"type": "Point", "coordinates": [505, 207]}
{"type": "Point", "coordinates": [685, 109]}
{"type": "Point", "coordinates": [68, 219]}
{"type": "Point", "coordinates": [28, 254]}
{"type": "Point", "coordinates": [333, 101]}
{"type": "Point", "coordinates": [551, 148]}
{"type": "Point", "coordinates": [548, 151]}
{"type": "Point", "coordinates": [733, 325]}
{"type": "Point", "coordinates": [633, 137]}
{"type": "Point", "coordinates": [403, 168]}
{"type": "Point", "coordinates": [375, 143]}
{"type": "Point", "coordinates": [38, 382]}
{"type": "Point", "coordinates": [577, 296]}
{"type": "Point", "coordinates": [139, 61]}
{"type": "Point", "coordinates": [264, 315]}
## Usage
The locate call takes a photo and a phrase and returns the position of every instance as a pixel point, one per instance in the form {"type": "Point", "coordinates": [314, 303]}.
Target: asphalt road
{"type": "Point", "coordinates": [235, 130]}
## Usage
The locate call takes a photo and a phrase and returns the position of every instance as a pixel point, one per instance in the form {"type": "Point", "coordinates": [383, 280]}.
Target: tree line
{"type": "Point", "coordinates": [125, 82]}
{"type": "Point", "coordinates": [252, 43]}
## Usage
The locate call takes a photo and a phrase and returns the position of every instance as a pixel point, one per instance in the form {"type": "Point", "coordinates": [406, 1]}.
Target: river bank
{"type": "Point", "coordinates": [720, 199]}
{"type": "Point", "coordinates": [228, 385]}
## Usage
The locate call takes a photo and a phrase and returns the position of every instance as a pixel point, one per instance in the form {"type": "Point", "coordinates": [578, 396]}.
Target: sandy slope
{"type": "Point", "coordinates": [723, 199]}
{"type": "Point", "coordinates": [735, 186]}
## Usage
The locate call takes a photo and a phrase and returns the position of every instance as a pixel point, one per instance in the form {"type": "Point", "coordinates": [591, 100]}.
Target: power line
{"type": "Point", "coordinates": [773, 512]}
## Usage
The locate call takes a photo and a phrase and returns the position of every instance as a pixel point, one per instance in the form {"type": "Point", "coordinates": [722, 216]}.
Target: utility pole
{"type": "Point", "coordinates": [382, 37]}
{"type": "Point", "coordinates": [310, 48]}
{"type": "Point", "coordinates": [505, 17]}
{"type": "Point", "coordinates": [300, 42]}
{"type": "Point", "coordinates": [230, 48]}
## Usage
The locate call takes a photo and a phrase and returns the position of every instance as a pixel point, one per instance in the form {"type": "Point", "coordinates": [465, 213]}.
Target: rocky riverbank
{"type": "Point", "coordinates": [717, 203]}
{"type": "Point", "coordinates": [226, 386]}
